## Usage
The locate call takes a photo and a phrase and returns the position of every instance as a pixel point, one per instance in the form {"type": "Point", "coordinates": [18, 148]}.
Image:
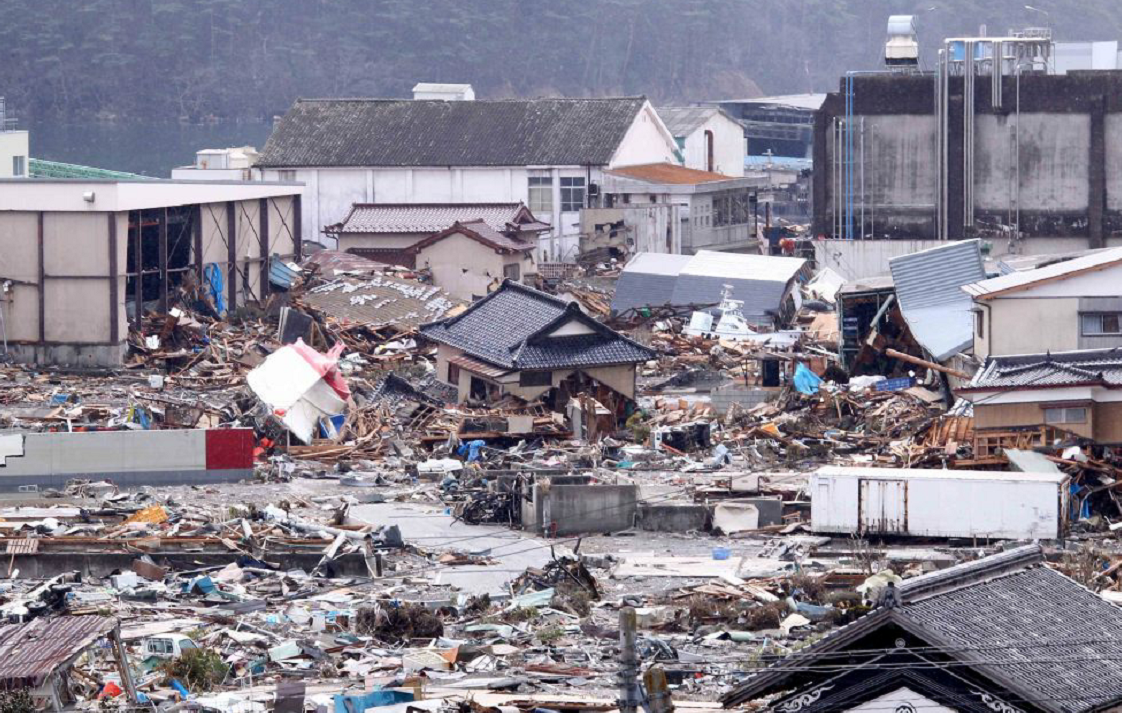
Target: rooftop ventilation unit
{"type": "Point", "coordinates": [902, 48]}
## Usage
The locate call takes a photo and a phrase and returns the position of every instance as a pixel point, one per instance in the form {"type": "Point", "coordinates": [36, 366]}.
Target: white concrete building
{"type": "Point", "coordinates": [547, 153]}
{"type": "Point", "coordinates": [13, 154]}
{"type": "Point", "coordinates": [709, 138]}
{"type": "Point", "coordinates": [230, 164]}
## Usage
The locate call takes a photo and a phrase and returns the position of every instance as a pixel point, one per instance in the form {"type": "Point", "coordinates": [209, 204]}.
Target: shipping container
{"type": "Point", "coordinates": [939, 503]}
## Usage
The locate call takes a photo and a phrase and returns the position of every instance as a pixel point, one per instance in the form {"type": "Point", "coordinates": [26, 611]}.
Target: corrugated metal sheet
{"type": "Point", "coordinates": [31, 652]}
{"type": "Point", "coordinates": [929, 286]}
{"type": "Point", "coordinates": [759, 281]}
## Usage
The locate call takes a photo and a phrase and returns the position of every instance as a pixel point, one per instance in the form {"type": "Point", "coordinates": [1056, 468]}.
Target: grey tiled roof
{"type": "Point", "coordinates": [1026, 617]}
{"type": "Point", "coordinates": [1038, 632]}
{"type": "Point", "coordinates": [508, 328]}
{"type": "Point", "coordinates": [378, 132]}
{"type": "Point", "coordinates": [424, 218]}
{"type": "Point", "coordinates": [1090, 366]}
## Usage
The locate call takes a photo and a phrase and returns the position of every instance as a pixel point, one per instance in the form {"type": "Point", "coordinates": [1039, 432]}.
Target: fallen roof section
{"type": "Point", "coordinates": [31, 652]}
{"type": "Point", "coordinates": [759, 281]}
{"type": "Point", "coordinates": [929, 286]}
{"type": "Point", "coordinates": [380, 301]}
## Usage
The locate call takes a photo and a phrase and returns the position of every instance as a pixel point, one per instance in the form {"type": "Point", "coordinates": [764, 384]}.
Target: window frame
{"type": "Point", "coordinates": [19, 166]}
{"type": "Point", "coordinates": [1101, 317]}
{"type": "Point", "coordinates": [512, 267]}
{"type": "Point", "coordinates": [1065, 415]}
{"type": "Point", "coordinates": [533, 196]}
{"type": "Point", "coordinates": [571, 200]}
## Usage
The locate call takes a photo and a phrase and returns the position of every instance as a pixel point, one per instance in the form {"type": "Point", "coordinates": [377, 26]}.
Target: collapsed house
{"type": "Point", "coordinates": [529, 344]}
{"type": "Point", "coordinates": [767, 287]}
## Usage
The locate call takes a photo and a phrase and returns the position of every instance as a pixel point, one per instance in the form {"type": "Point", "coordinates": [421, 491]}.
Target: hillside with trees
{"type": "Point", "coordinates": [200, 60]}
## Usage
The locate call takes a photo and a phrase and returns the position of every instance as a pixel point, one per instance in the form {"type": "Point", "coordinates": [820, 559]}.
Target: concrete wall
{"type": "Point", "coordinates": [747, 396]}
{"type": "Point", "coordinates": [647, 141]}
{"type": "Point", "coordinates": [125, 457]}
{"type": "Point", "coordinates": [583, 509]}
{"type": "Point", "coordinates": [1070, 148]}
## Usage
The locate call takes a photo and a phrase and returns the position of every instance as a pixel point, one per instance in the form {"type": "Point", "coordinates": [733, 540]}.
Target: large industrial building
{"type": "Point", "coordinates": [995, 143]}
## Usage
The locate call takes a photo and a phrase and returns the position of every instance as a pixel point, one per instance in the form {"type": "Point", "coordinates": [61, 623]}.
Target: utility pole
{"type": "Point", "coordinates": [630, 697]}
{"type": "Point", "coordinates": [658, 690]}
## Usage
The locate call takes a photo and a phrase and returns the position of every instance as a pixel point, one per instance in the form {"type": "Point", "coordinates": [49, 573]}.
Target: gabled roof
{"type": "Point", "coordinates": [684, 120]}
{"type": "Point", "coordinates": [668, 173]}
{"type": "Point", "coordinates": [396, 132]}
{"type": "Point", "coordinates": [1018, 281]}
{"type": "Point", "coordinates": [511, 326]}
{"type": "Point", "coordinates": [429, 218]}
{"type": "Point", "coordinates": [480, 232]}
{"type": "Point", "coordinates": [929, 287]}
{"type": "Point", "coordinates": [1086, 367]}
{"type": "Point", "coordinates": [1007, 617]}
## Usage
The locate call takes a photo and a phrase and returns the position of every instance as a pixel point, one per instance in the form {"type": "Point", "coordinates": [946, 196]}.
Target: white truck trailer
{"type": "Point", "coordinates": [940, 503]}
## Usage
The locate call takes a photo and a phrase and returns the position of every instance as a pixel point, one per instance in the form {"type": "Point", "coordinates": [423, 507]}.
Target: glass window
{"type": "Point", "coordinates": [541, 194]}
{"type": "Point", "coordinates": [512, 271]}
{"type": "Point", "coordinates": [1102, 323]}
{"type": "Point", "coordinates": [1065, 415]}
{"type": "Point", "coordinates": [19, 165]}
{"type": "Point", "coordinates": [287, 175]}
{"type": "Point", "coordinates": [572, 194]}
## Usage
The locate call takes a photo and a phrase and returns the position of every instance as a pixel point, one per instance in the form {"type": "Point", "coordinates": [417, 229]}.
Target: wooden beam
{"type": "Point", "coordinates": [42, 282]}
{"type": "Point", "coordinates": [923, 362]}
{"type": "Point", "coordinates": [164, 262]}
{"type": "Point", "coordinates": [114, 296]}
{"type": "Point", "coordinates": [263, 239]}
{"type": "Point", "coordinates": [231, 257]}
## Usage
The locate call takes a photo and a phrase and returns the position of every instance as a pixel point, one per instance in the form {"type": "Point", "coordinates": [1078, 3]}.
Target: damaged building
{"type": "Point", "coordinates": [526, 343]}
{"type": "Point", "coordinates": [82, 260]}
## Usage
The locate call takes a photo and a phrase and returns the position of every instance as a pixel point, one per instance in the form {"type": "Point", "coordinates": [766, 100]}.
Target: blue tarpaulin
{"type": "Point", "coordinates": [214, 283]}
{"type": "Point", "coordinates": [471, 449]}
{"type": "Point", "coordinates": [904, 382]}
{"type": "Point", "coordinates": [357, 703]}
{"type": "Point", "coordinates": [806, 381]}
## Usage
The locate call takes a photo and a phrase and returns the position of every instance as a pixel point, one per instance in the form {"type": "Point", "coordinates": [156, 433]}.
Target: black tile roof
{"type": "Point", "coordinates": [1089, 366]}
{"type": "Point", "coordinates": [1009, 617]}
{"type": "Point", "coordinates": [508, 328]}
{"type": "Point", "coordinates": [397, 132]}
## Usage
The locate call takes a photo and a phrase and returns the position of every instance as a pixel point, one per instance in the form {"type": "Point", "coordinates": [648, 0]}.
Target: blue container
{"type": "Point", "coordinates": [721, 553]}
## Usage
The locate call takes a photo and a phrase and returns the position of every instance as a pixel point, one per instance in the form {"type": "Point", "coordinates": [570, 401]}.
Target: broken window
{"type": "Point", "coordinates": [1065, 415]}
{"type": "Point", "coordinates": [453, 374]}
{"type": "Point", "coordinates": [572, 194]}
{"type": "Point", "coordinates": [535, 378]}
{"type": "Point", "coordinates": [980, 323]}
{"type": "Point", "coordinates": [541, 194]}
{"type": "Point", "coordinates": [1102, 323]}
